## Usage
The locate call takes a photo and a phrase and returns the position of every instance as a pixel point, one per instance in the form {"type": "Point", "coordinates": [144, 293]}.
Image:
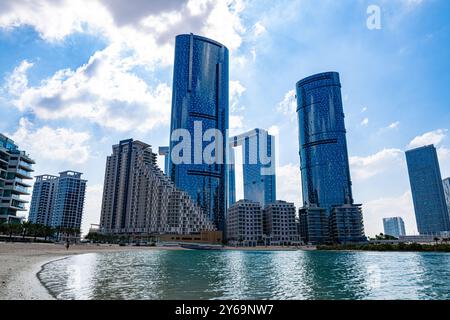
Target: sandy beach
{"type": "Point", "coordinates": [22, 261]}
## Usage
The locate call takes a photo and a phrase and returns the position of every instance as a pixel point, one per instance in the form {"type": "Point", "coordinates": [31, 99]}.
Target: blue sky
{"type": "Point", "coordinates": [78, 76]}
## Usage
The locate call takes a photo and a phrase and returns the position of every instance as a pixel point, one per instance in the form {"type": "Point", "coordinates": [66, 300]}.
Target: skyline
{"type": "Point", "coordinates": [74, 104]}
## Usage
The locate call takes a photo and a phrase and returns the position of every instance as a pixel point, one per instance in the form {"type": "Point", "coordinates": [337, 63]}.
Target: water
{"type": "Point", "coordinates": [164, 274]}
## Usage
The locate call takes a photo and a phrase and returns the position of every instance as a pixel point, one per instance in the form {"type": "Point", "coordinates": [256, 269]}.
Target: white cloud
{"type": "Point", "coordinates": [433, 137]}
{"type": "Point", "coordinates": [92, 208]}
{"type": "Point", "coordinates": [236, 122]}
{"type": "Point", "coordinates": [376, 210]}
{"type": "Point", "coordinates": [289, 184]}
{"type": "Point", "coordinates": [365, 122]}
{"type": "Point", "coordinates": [288, 106]}
{"type": "Point", "coordinates": [52, 144]}
{"type": "Point", "coordinates": [236, 91]}
{"type": "Point", "coordinates": [16, 82]}
{"type": "Point", "coordinates": [363, 109]}
{"type": "Point", "coordinates": [394, 125]}
{"type": "Point", "coordinates": [258, 29]}
{"type": "Point", "coordinates": [104, 91]}
{"type": "Point", "coordinates": [363, 168]}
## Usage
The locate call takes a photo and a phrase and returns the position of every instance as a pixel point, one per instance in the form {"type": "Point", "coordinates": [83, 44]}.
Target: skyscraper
{"type": "Point", "coordinates": [138, 199]}
{"type": "Point", "coordinates": [15, 170]}
{"type": "Point", "coordinates": [394, 227]}
{"type": "Point", "coordinates": [258, 165]}
{"type": "Point", "coordinates": [200, 99]}
{"type": "Point", "coordinates": [324, 164]}
{"type": "Point", "coordinates": [43, 199]}
{"type": "Point", "coordinates": [323, 145]}
{"type": "Point", "coordinates": [431, 210]}
{"type": "Point", "coordinates": [69, 200]}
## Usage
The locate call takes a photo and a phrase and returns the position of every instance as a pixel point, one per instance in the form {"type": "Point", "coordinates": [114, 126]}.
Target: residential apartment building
{"type": "Point", "coordinates": [15, 172]}
{"type": "Point", "coordinates": [279, 225]}
{"type": "Point", "coordinates": [139, 199]}
{"type": "Point", "coordinates": [245, 224]}
{"type": "Point", "coordinates": [58, 201]}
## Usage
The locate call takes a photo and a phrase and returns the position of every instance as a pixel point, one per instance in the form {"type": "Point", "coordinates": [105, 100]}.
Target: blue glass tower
{"type": "Point", "coordinates": [323, 145]}
{"type": "Point", "coordinates": [200, 94]}
{"type": "Point", "coordinates": [432, 216]}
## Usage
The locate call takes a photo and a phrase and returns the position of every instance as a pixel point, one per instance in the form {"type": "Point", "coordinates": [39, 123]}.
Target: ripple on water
{"type": "Point", "coordinates": [284, 275]}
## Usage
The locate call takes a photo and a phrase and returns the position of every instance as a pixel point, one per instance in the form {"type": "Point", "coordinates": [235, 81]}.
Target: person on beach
{"type": "Point", "coordinates": [67, 244]}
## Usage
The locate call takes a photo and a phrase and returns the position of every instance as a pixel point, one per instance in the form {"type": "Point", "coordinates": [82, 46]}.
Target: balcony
{"type": "Point", "coordinates": [17, 189]}
{"type": "Point", "coordinates": [25, 165]}
{"type": "Point", "coordinates": [23, 174]}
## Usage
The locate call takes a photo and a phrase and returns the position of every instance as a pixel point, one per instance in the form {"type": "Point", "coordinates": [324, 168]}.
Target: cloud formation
{"type": "Point", "coordinates": [59, 144]}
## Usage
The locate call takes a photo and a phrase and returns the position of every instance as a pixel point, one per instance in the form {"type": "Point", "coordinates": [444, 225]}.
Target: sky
{"type": "Point", "coordinates": [78, 76]}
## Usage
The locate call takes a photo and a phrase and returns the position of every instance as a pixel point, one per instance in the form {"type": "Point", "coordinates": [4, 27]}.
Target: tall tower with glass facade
{"type": "Point", "coordinates": [323, 146]}
{"type": "Point", "coordinates": [200, 99]}
{"type": "Point", "coordinates": [324, 164]}
{"type": "Point", "coordinates": [427, 190]}
{"type": "Point", "coordinates": [258, 158]}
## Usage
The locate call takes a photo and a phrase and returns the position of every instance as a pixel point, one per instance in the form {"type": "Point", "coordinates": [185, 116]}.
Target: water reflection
{"type": "Point", "coordinates": [249, 275]}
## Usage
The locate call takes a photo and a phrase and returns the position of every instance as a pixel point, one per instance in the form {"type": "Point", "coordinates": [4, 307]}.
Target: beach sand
{"type": "Point", "coordinates": [20, 263]}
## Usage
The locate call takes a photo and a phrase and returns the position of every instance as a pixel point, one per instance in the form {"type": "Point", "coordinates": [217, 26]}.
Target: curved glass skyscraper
{"type": "Point", "coordinates": [200, 97]}
{"type": "Point", "coordinates": [323, 146]}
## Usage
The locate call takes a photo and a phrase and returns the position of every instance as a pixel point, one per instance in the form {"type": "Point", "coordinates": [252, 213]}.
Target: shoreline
{"type": "Point", "coordinates": [22, 262]}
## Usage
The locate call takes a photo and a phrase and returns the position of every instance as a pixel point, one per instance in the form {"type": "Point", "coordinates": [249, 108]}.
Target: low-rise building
{"type": "Point", "coordinates": [245, 224]}
{"type": "Point", "coordinates": [280, 228]}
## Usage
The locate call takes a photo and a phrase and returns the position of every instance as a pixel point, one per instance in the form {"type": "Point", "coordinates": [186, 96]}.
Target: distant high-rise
{"type": "Point", "coordinates": [15, 170]}
{"type": "Point", "coordinates": [258, 158]}
{"type": "Point", "coordinates": [69, 200]}
{"type": "Point", "coordinates": [326, 182]}
{"type": "Point", "coordinates": [138, 199]}
{"type": "Point", "coordinates": [446, 183]}
{"type": "Point", "coordinates": [394, 227]}
{"type": "Point", "coordinates": [427, 190]}
{"type": "Point", "coordinates": [200, 98]}
{"type": "Point", "coordinates": [164, 151]}
{"type": "Point", "coordinates": [43, 200]}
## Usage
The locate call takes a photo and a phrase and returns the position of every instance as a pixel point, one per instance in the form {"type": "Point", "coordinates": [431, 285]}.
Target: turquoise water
{"type": "Point", "coordinates": [159, 274]}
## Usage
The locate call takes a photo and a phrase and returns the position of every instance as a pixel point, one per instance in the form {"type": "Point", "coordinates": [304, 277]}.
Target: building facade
{"type": "Point", "coordinates": [430, 207]}
{"type": "Point", "coordinates": [164, 151]}
{"type": "Point", "coordinates": [15, 172]}
{"type": "Point", "coordinates": [279, 225]}
{"type": "Point", "coordinates": [43, 200]}
{"type": "Point", "coordinates": [323, 146]}
{"type": "Point", "coordinates": [446, 184]}
{"type": "Point", "coordinates": [314, 225]}
{"type": "Point", "coordinates": [394, 227]}
{"type": "Point", "coordinates": [69, 200]}
{"type": "Point", "coordinates": [245, 224]}
{"type": "Point", "coordinates": [324, 164]}
{"type": "Point", "coordinates": [139, 199]}
{"type": "Point", "coordinates": [258, 165]}
{"type": "Point", "coordinates": [346, 224]}
{"type": "Point", "coordinates": [200, 103]}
